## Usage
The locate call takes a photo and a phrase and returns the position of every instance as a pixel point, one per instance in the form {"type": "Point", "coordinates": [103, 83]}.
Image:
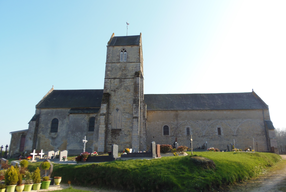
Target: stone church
{"type": "Point", "coordinates": [122, 114]}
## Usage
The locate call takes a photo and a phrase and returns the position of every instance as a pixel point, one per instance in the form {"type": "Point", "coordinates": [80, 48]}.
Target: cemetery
{"type": "Point", "coordinates": [161, 164]}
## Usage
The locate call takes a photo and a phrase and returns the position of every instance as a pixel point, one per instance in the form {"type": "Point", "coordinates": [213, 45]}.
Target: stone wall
{"type": "Point", "coordinates": [237, 126]}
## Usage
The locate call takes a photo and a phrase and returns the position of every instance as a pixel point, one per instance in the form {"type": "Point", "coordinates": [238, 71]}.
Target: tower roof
{"type": "Point", "coordinates": [124, 40]}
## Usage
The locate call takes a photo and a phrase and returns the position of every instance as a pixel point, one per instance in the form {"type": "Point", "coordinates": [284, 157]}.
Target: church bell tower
{"type": "Point", "coordinates": [122, 108]}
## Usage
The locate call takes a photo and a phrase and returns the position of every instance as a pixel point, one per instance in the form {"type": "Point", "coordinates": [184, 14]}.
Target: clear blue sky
{"type": "Point", "coordinates": [188, 47]}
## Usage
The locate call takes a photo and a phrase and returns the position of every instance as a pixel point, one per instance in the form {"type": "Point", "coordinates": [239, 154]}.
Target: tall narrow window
{"type": "Point", "coordinates": [123, 55]}
{"type": "Point", "coordinates": [54, 125]}
{"type": "Point", "coordinates": [218, 131]}
{"type": "Point", "coordinates": [91, 124]}
{"type": "Point", "coordinates": [188, 130]}
{"type": "Point", "coordinates": [166, 130]}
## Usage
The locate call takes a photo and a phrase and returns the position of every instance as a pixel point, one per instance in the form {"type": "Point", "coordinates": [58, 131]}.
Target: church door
{"type": "Point", "coordinates": [22, 143]}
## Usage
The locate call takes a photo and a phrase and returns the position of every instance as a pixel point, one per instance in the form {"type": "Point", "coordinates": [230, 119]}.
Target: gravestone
{"type": "Point", "coordinates": [158, 150]}
{"type": "Point", "coordinates": [51, 154]}
{"type": "Point", "coordinates": [14, 163]}
{"type": "Point", "coordinates": [6, 152]}
{"type": "Point", "coordinates": [63, 154]}
{"type": "Point", "coordinates": [3, 161]}
{"type": "Point", "coordinates": [33, 154]}
{"type": "Point", "coordinates": [1, 150]}
{"type": "Point", "coordinates": [41, 154]}
{"type": "Point", "coordinates": [114, 151]}
{"type": "Point", "coordinates": [176, 145]}
{"type": "Point", "coordinates": [153, 149]}
{"type": "Point", "coordinates": [49, 172]}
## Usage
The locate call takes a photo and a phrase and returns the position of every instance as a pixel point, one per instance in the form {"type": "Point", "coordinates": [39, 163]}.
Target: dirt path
{"type": "Point", "coordinates": [272, 181]}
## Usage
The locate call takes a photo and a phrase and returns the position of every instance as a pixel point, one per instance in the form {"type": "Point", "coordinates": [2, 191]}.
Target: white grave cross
{"type": "Point", "coordinates": [41, 154]}
{"type": "Point", "coordinates": [84, 143]}
{"type": "Point", "coordinates": [34, 153]}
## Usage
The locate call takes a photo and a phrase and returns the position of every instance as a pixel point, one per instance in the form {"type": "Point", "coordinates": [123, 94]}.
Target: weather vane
{"type": "Point", "coordinates": [127, 28]}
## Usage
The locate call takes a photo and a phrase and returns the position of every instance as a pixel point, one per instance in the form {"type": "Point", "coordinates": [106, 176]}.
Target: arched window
{"type": "Point", "coordinates": [91, 124]}
{"type": "Point", "coordinates": [123, 55]}
{"type": "Point", "coordinates": [188, 131]}
{"type": "Point", "coordinates": [166, 130]}
{"type": "Point", "coordinates": [54, 125]}
{"type": "Point", "coordinates": [218, 131]}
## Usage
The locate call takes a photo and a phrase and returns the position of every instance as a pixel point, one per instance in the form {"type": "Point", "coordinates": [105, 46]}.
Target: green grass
{"type": "Point", "coordinates": [168, 173]}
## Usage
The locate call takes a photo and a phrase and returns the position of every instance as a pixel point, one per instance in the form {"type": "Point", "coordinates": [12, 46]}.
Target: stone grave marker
{"type": "Point", "coordinates": [49, 172]}
{"type": "Point", "coordinates": [14, 163]}
{"type": "Point", "coordinates": [41, 154]}
{"type": "Point", "coordinates": [176, 145]}
{"type": "Point", "coordinates": [158, 150]}
{"type": "Point", "coordinates": [6, 152]}
{"type": "Point", "coordinates": [153, 149]}
{"type": "Point", "coordinates": [33, 154]}
{"type": "Point", "coordinates": [1, 150]}
{"type": "Point", "coordinates": [51, 154]}
{"type": "Point", "coordinates": [114, 151]}
{"type": "Point", "coordinates": [63, 154]}
{"type": "Point", "coordinates": [3, 161]}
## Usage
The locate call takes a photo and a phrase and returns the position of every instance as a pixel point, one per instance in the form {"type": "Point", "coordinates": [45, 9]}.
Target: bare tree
{"type": "Point", "coordinates": [281, 140]}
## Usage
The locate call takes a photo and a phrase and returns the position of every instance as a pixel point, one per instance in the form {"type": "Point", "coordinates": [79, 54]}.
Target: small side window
{"type": "Point", "coordinates": [166, 130]}
{"type": "Point", "coordinates": [188, 131]}
{"type": "Point", "coordinates": [218, 131]}
{"type": "Point", "coordinates": [123, 55]}
{"type": "Point", "coordinates": [91, 124]}
{"type": "Point", "coordinates": [54, 125]}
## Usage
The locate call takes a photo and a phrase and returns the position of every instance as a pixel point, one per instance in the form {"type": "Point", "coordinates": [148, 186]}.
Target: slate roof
{"type": "Point", "coordinates": [72, 99]}
{"type": "Point", "coordinates": [125, 40]}
{"type": "Point", "coordinates": [269, 125]}
{"type": "Point", "coordinates": [220, 101]}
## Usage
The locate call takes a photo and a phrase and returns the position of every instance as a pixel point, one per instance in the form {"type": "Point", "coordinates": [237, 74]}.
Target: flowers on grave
{"type": "Point", "coordinates": [165, 148]}
{"type": "Point", "coordinates": [94, 153]}
{"type": "Point", "coordinates": [213, 149]}
{"type": "Point", "coordinates": [126, 150]}
{"type": "Point", "coordinates": [64, 158]}
{"type": "Point", "coordinates": [78, 158]}
{"type": "Point", "coordinates": [29, 158]}
{"type": "Point", "coordinates": [109, 153]}
{"type": "Point", "coordinates": [175, 154]}
{"type": "Point", "coordinates": [85, 155]}
{"type": "Point", "coordinates": [182, 148]}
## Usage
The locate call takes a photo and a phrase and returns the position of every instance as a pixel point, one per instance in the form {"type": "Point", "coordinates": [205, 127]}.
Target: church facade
{"type": "Point", "coordinates": [122, 114]}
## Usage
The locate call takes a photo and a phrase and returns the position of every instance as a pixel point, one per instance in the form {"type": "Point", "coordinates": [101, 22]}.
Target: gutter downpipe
{"type": "Point", "coordinates": [266, 132]}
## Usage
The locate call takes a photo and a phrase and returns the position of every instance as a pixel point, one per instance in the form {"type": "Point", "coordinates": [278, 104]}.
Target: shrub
{"type": "Point", "coordinates": [36, 176]}
{"type": "Point", "coordinates": [46, 165]}
{"type": "Point", "coordinates": [165, 148]}
{"type": "Point", "coordinates": [11, 176]}
{"type": "Point", "coordinates": [24, 163]}
{"type": "Point", "coordinates": [182, 148]}
{"type": "Point", "coordinates": [213, 149]}
{"type": "Point", "coordinates": [28, 178]}
{"type": "Point", "coordinates": [175, 154]}
{"type": "Point", "coordinates": [46, 178]}
{"type": "Point", "coordinates": [2, 186]}
{"type": "Point", "coordinates": [19, 177]}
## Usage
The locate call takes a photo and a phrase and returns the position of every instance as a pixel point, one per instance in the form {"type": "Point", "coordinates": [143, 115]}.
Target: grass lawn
{"type": "Point", "coordinates": [168, 173]}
